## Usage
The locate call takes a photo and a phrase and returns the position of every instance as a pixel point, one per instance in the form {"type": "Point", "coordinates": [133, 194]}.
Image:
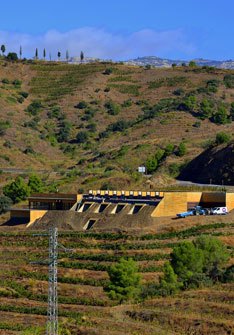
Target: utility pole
{"type": "Point", "coordinates": [52, 311]}
{"type": "Point", "coordinates": [52, 262]}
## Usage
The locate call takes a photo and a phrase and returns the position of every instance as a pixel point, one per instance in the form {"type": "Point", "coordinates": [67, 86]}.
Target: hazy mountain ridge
{"type": "Point", "coordinates": [164, 62]}
{"type": "Point", "coordinates": [158, 62]}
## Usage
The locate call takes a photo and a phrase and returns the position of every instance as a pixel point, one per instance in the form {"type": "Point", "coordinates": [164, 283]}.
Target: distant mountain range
{"type": "Point", "coordinates": [163, 62]}
{"type": "Point", "coordinates": [160, 62]}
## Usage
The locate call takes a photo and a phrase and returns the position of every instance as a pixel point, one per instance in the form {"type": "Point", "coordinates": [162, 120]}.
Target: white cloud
{"type": "Point", "coordinates": [97, 42]}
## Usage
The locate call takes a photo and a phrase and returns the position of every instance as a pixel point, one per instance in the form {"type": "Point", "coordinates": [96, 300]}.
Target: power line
{"type": "Point", "coordinates": [52, 262]}
{"type": "Point", "coordinates": [52, 310]}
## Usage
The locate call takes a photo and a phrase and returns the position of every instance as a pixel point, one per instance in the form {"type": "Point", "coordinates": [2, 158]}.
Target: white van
{"type": "Point", "coordinates": [219, 211]}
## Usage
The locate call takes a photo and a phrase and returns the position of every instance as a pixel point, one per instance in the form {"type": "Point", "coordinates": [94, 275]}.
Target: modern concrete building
{"type": "Point", "coordinates": [101, 208]}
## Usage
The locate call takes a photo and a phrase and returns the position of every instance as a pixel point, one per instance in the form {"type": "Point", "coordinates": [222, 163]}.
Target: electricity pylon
{"type": "Point", "coordinates": [52, 311]}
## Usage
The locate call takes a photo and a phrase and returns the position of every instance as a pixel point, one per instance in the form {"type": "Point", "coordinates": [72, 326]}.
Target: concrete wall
{"type": "Point", "coordinates": [230, 201]}
{"type": "Point", "coordinates": [36, 214]}
{"type": "Point", "coordinates": [29, 215]}
{"type": "Point", "coordinates": [171, 204]}
{"type": "Point", "coordinates": [20, 213]}
{"type": "Point", "coordinates": [176, 202]}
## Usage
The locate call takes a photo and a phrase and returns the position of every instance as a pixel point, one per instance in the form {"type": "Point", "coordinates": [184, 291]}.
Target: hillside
{"type": "Point", "coordinates": [214, 165]}
{"type": "Point", "coordinates": [91, 125]}
{"type": "Point", "coordinates": [84, 307]}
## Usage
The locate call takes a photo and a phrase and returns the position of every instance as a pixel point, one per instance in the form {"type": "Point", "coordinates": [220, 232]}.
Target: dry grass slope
{"type": "Point", "coordinates": [84, 307]}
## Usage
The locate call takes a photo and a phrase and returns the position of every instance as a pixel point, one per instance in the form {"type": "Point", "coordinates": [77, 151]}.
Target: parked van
{"type": "Point", "coordinates": [219, 211]}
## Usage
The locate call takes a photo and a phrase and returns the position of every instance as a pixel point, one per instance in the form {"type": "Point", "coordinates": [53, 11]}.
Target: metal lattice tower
{"type": "Point", "coordinates": [52, 311]}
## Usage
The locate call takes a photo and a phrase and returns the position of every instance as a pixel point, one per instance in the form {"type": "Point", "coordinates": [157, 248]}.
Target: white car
{"type": "Point", "coordinates": [219, 211]}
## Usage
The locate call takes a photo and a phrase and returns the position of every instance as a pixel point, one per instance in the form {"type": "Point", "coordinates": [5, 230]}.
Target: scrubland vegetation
{"type": "Point", "coordinates": [94, 124]}
{"type": "Point", "coordinates": [152, 280]}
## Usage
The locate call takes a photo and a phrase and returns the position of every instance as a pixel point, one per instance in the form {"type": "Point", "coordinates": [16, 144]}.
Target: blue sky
{"type": "Point", "coordinates": [120, 29]}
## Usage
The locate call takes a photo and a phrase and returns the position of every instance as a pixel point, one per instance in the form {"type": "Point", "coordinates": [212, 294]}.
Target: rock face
{"type": "Point", "coordinates": [213, 166]}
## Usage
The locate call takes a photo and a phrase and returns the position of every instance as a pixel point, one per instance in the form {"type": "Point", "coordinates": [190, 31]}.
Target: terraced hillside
{"type": "Point", "coordinates": [91, 125]}
{"type": "Point", "coordinates": [84, 307]}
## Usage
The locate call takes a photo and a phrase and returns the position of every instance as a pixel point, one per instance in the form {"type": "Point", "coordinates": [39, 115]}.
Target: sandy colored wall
{"type": "Point", "coordinates": [172, 203]}
{"type": "Point", "coordinates": [230, 201]}
{"type": "Point", "coordinates": [36, 214]}
{"type": "Point", "coordinates": [175, 202]}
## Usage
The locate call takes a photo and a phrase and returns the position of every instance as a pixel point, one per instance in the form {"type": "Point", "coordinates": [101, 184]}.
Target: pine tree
{"type": "Point", "coordinates": [36, 53]}
{"type": "Point", "coordinates": [81, 56]}
{"type": "Point", "coordinates": [20, 52]}
{"type": "Point", "coordinates": [3, 49]}
{"type": "Point", "coordinates": [124, 280]}
{"type": "Point", "coordinates": [44, 53]}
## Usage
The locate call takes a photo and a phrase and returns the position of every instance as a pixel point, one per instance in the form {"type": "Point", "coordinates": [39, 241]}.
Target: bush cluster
{"type": "Point", "coordinates": [194, 264]}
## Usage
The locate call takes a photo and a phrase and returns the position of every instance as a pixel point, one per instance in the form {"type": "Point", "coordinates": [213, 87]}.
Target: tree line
{"type": "Point", "coordinates": [193, 264]}
{"type": "Point", "coordinates": [15, 56]}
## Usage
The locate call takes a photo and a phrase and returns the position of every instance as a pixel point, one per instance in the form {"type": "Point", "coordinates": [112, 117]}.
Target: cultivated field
{"type": "Point", "coordinates": [84, 307]}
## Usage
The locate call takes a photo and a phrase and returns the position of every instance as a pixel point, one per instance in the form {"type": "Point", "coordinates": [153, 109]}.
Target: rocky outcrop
{"type": "Point", "coordinates": [214, 166]}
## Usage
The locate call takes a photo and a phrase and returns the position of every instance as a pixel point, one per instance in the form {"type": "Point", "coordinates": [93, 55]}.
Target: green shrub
{"type": "Point", "coordinates": [192, 64]}
{"type": "Point", "coordinates": [35, 184]}
{"type": "Point", "coordinates": [181, 151]}
{"type": "Point", "coordinates": [112, 108]}
{"type": "Point", "coordinates": [222, 137]}
{"type": "Point", "coordinates": [17, 190]}
{"type": "Point", "coordinates": [54, 113]}
{"type": "Point", "coordinates": [5, 81]}
{"type": "Point", "coordinates": [17, 83]}
{"type": "Point", "coordinates": [228, 275]}
{"type": "Point", "coordinates": [229, 80]}
{"type": "Point", "coordinates": [215, 255]}
{"type": "Point", "coordinates": [178, 91]}
{"type": "Point", "coordinates": [206, 108]}
{"type": "Point", "coordinates": [82, 137]}
{"type": "Point", "coordinates": [186, 260]}
{"type": "Point", "coordinates": [169, 149]}
{"type": "Point", "coordinates": [4, 125]}
{"type": "Point", "coordinates": [24, 94]}
{"type": "Point", "coordinates": [197, 124]}
{"type": "Point", "coordinates": [212, 85]}
{"type": "Point", "coordinates": [64, 131]}
{"type": "Point", "coordinates": [120, 125]}
{"type": "Point", "coordinates": [30, 124]}
{"type": "Point", "coordinates": [12, 56]}
{"type": "Point", "coordinates": [151, 164]}
{"type": "Point", "coordinates": [5, 203]}
{"type": "Point", "coordinates": [174, 169]}
{"type": "Point", "coordinates": [169, 283]}
{"type": "Point", "coordinates": [89, 114]}
{"type": "Point", "coordinates": [127, 103]}
{"type": "Point", "coordinates": [34, 108]}
{"type": "Point", "coordinates": [92, 127]}
{"type": "Point", "coordinates": [232, 111]}
{"type": "Point", "coordinates": [81, 105]}
{"type": "Point", "coordinates": [188, 104]}
{"type": "Point", "coordinates": [221, 116]}
{"type": "Point", "coordinates": [125, 282]}
{"type": "Point", "coordinates": [108, 71]}
{"type": "Point", "coordinates": [29, 150]}
{"type": "Point", "coordinates": [20, 100]}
